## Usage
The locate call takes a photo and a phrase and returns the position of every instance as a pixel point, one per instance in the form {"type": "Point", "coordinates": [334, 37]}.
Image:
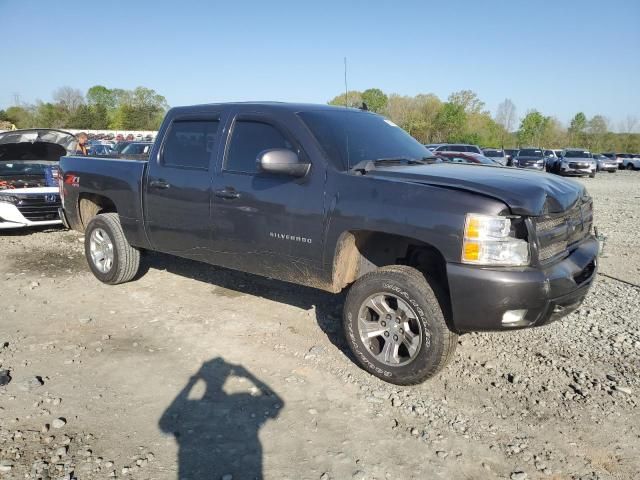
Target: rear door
{"type": "Point", "coordinates": [178, 186]}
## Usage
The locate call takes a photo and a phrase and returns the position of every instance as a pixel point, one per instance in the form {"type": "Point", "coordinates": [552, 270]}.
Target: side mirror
{"type": "Point", "coordinates": [283, 162]}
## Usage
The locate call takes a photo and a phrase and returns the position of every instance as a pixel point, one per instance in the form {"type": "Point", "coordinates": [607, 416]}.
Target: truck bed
{"type": "Point", "coordinates": [118, 179]}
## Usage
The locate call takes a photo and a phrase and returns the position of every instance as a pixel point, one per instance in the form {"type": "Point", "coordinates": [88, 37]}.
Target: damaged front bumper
{"type": "Point", "coordinates": [482, 297]}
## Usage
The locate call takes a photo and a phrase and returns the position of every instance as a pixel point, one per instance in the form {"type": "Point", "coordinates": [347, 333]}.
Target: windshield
{"type": "Point", "coordinates": [577, 154]}
{"type": "Point", "coordinates": [530, 152]}
{"type": "Point", "coordinates": [494, 153]}
{"type": "Point", "coordinates": [349, 137]}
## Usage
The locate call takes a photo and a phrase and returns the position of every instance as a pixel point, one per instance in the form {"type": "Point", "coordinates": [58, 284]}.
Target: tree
{"type": "Point", "coordinates": [141, 108]}
{"type": "Point", "coordinates": [468, 100]}
{"type": "Point", "coordinates": [100, 95]}
{"type": "Point", "coordinates": [483, 130]}
{"type": "Point", "coordinates": [506, 118]}
{"type": "Point", "coordinates": [630, 143]}
{"type": "Point", "coordinates": [69, 98]}
{"type": "Point", "coordinates": [81, 118]}
{"type": "Point", "coordinates": [375, 99]}
{"type": "Point", "coordinates": [576, 129]}
{"type": "Point", "coordinates": [450, 122]}
{"type": "Point", "coordinates": [553, 134]}
{"type": "Point", "coordinates": [597, 129]}
{"type": "Point", "coordinates": [532, 128]}
{"type": "Point", "coordinates": [353, 99]}
{"type": "Point", "coordinates": [49, 115]}
{"type": "Point", "coordinates": [21, 116]}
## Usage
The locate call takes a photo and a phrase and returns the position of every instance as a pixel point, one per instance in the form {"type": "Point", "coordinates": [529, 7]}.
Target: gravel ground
{"type": "Point", "coordinates": [194, 369]}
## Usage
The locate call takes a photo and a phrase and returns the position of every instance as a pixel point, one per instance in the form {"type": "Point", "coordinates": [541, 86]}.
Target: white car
{"type": "Point", "coordinates": [29, 161]}
{"type": "Point", "coordinates": [576, 162]}
{"type": "Point", "coordinates": [631, 162]}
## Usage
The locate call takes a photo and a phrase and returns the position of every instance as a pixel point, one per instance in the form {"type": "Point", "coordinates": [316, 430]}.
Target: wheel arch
{"type": "Point", "coordinates": [92, 204]}
{"type": "Point", "coordinates": [358, 252]}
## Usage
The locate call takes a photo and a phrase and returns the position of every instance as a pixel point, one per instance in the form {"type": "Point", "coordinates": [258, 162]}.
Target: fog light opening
{"type": "Point", "coordinates": [513, 318]}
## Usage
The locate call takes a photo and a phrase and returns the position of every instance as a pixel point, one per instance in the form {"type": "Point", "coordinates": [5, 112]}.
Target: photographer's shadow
{"type": "Point", "coordinates": [216, 419]}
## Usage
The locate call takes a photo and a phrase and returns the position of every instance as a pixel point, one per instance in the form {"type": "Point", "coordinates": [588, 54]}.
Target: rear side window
{"type": "Point", "coordinates": [248, 139]}
{"type": "Point", "coordinates": [456, 148]}
{"type": "Point", "coordinates": [190, 144]}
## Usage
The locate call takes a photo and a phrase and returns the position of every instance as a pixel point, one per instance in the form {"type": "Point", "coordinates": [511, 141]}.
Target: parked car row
{"type": "Point", "coordinates": [567, 161]}
{"type": "Point", "coordinates": [113, 149]}
{"type": "Point", "coordinates": [110, 137]}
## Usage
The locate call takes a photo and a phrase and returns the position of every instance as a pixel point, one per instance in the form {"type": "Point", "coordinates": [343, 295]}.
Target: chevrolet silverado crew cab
{"type": "Point", "coordinates": [336, 198]}
{"type": "Point", "coordinates": [28, 176]}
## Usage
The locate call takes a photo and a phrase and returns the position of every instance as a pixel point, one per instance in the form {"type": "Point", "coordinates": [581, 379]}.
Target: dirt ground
{"type": "Point", "coordinates": [196, 372]}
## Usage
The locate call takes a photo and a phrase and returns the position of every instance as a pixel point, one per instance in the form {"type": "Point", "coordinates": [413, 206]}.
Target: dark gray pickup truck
{"type": "Point", "coordinates": [337, 198]}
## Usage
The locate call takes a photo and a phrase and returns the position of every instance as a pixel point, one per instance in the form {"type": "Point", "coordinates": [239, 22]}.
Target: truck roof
{"type": "Point", "coordinates": [293, 107]}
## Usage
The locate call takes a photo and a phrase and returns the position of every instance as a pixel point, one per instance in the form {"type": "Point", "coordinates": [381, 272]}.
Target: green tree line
{"type": "Point", "coordinates": [462, 118]}
{"type": "Point", "coordinates": [100, 108]}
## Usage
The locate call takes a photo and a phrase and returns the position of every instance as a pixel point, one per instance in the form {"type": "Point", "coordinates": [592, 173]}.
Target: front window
{"type": "Point", "coordinates": [530, 152]}
{"type": "Point", "coordinates": [577, 154]}
{"type": "Point", "coordinates": [494, 153]}
{"type": "Point", "coordinates": [349, 137]}
{"type": "Point", "coordinates": [248, 140]}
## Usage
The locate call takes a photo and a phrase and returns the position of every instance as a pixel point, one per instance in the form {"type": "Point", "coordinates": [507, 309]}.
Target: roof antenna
{"type": "Point", "coordinates": [346, 90]}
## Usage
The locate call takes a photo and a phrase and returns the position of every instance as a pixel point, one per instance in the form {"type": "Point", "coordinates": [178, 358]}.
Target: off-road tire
{"type": "Point", "coordinates": [592, 175]}
{"type": "Point", "coordinates": [438, 341]}
{"type": "Point", "coordinates": [126, 259]}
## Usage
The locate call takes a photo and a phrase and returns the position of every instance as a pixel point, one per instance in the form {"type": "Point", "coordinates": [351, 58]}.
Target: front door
{"type": "Point", "coordinates": [265, 223]}
{"type": "Point", "coordinates": [178, 189]}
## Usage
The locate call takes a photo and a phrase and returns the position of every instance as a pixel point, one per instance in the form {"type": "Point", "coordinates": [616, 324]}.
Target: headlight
{"type": "Point", "coordinates": [540, 162]}
{"type": "Point", "coordinates": [9, 199]}
{"type": "Point", "coordinates": [490, 240]}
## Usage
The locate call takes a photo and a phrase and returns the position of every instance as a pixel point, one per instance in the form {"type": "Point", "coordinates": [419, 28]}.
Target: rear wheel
{"type": "Point", "coordinates": [111, 259]}
{"type": "Point", "coordinates": [629, 166]}
{"type": "Point", "coordinates": [592, 175]}
{"type": "Point", "coordinates": [395, 326]}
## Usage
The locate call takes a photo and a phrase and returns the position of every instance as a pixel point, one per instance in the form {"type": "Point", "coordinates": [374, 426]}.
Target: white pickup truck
{"type": "Point", "coordinates": [29, 162]}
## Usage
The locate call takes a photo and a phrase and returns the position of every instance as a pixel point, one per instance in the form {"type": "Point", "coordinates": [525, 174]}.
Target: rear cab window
{"type": "Point", "coordinates": [190, 144]}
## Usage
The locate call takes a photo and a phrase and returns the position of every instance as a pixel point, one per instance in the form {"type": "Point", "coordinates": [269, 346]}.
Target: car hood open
{"type": "Point", "coordinates": [36, 144]}
{"type": "Point", "coordinates": [524, 192]}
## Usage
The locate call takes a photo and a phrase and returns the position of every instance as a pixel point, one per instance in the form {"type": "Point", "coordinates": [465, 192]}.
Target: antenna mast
{"type": "Point", "coordinates": [346, 90]}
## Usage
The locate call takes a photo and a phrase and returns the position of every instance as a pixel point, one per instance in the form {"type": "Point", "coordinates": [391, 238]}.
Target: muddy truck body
{"type": "Point", "coordinates": [337, 198]}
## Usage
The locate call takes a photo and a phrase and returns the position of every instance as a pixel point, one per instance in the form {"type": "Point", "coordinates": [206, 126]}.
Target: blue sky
{"type": "Point", "coordinates": [559, 56]}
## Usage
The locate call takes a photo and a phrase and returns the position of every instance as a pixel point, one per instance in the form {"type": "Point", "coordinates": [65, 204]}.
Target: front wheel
{"type": "Point", "coordinates": [630, 166]}
{"type": "Point", "coordinates": [395, 326]}
{"type": "Point", "coordinates": [111, 259]}
{"type": "Point", "coordinates": [592, 175]}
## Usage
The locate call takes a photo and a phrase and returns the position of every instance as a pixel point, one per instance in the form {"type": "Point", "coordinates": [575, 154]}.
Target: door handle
{"type": "Point", "coordinates": [228, 193]}
{"type": "Point", "coordinates": [159, 184]}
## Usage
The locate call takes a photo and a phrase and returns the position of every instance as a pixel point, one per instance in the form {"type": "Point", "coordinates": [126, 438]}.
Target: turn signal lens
{"type": "Point", "coordinates": [488, 240]}
{"type": "Point", "coordinates": [487, 227]}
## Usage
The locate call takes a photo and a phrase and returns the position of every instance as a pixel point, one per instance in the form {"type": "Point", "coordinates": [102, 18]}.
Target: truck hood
{"type": "Point", "coordinates": [36, 144]}
{"type": "Point", "coordinates": [525, 192]}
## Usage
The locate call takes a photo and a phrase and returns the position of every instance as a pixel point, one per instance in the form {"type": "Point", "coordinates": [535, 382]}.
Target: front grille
{"type": "Point", "coordinates": [578, 165]}
{"type": "Point", "coordinates": [557, 233]}
{"type": "Point", "coordinates": [40, 208]}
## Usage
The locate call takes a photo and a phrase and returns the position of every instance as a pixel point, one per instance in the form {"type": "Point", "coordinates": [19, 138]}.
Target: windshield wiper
{"type": "Point", "coordinates": [400, 160]}
{"type": "Point", "coordinates": [366, 166]}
